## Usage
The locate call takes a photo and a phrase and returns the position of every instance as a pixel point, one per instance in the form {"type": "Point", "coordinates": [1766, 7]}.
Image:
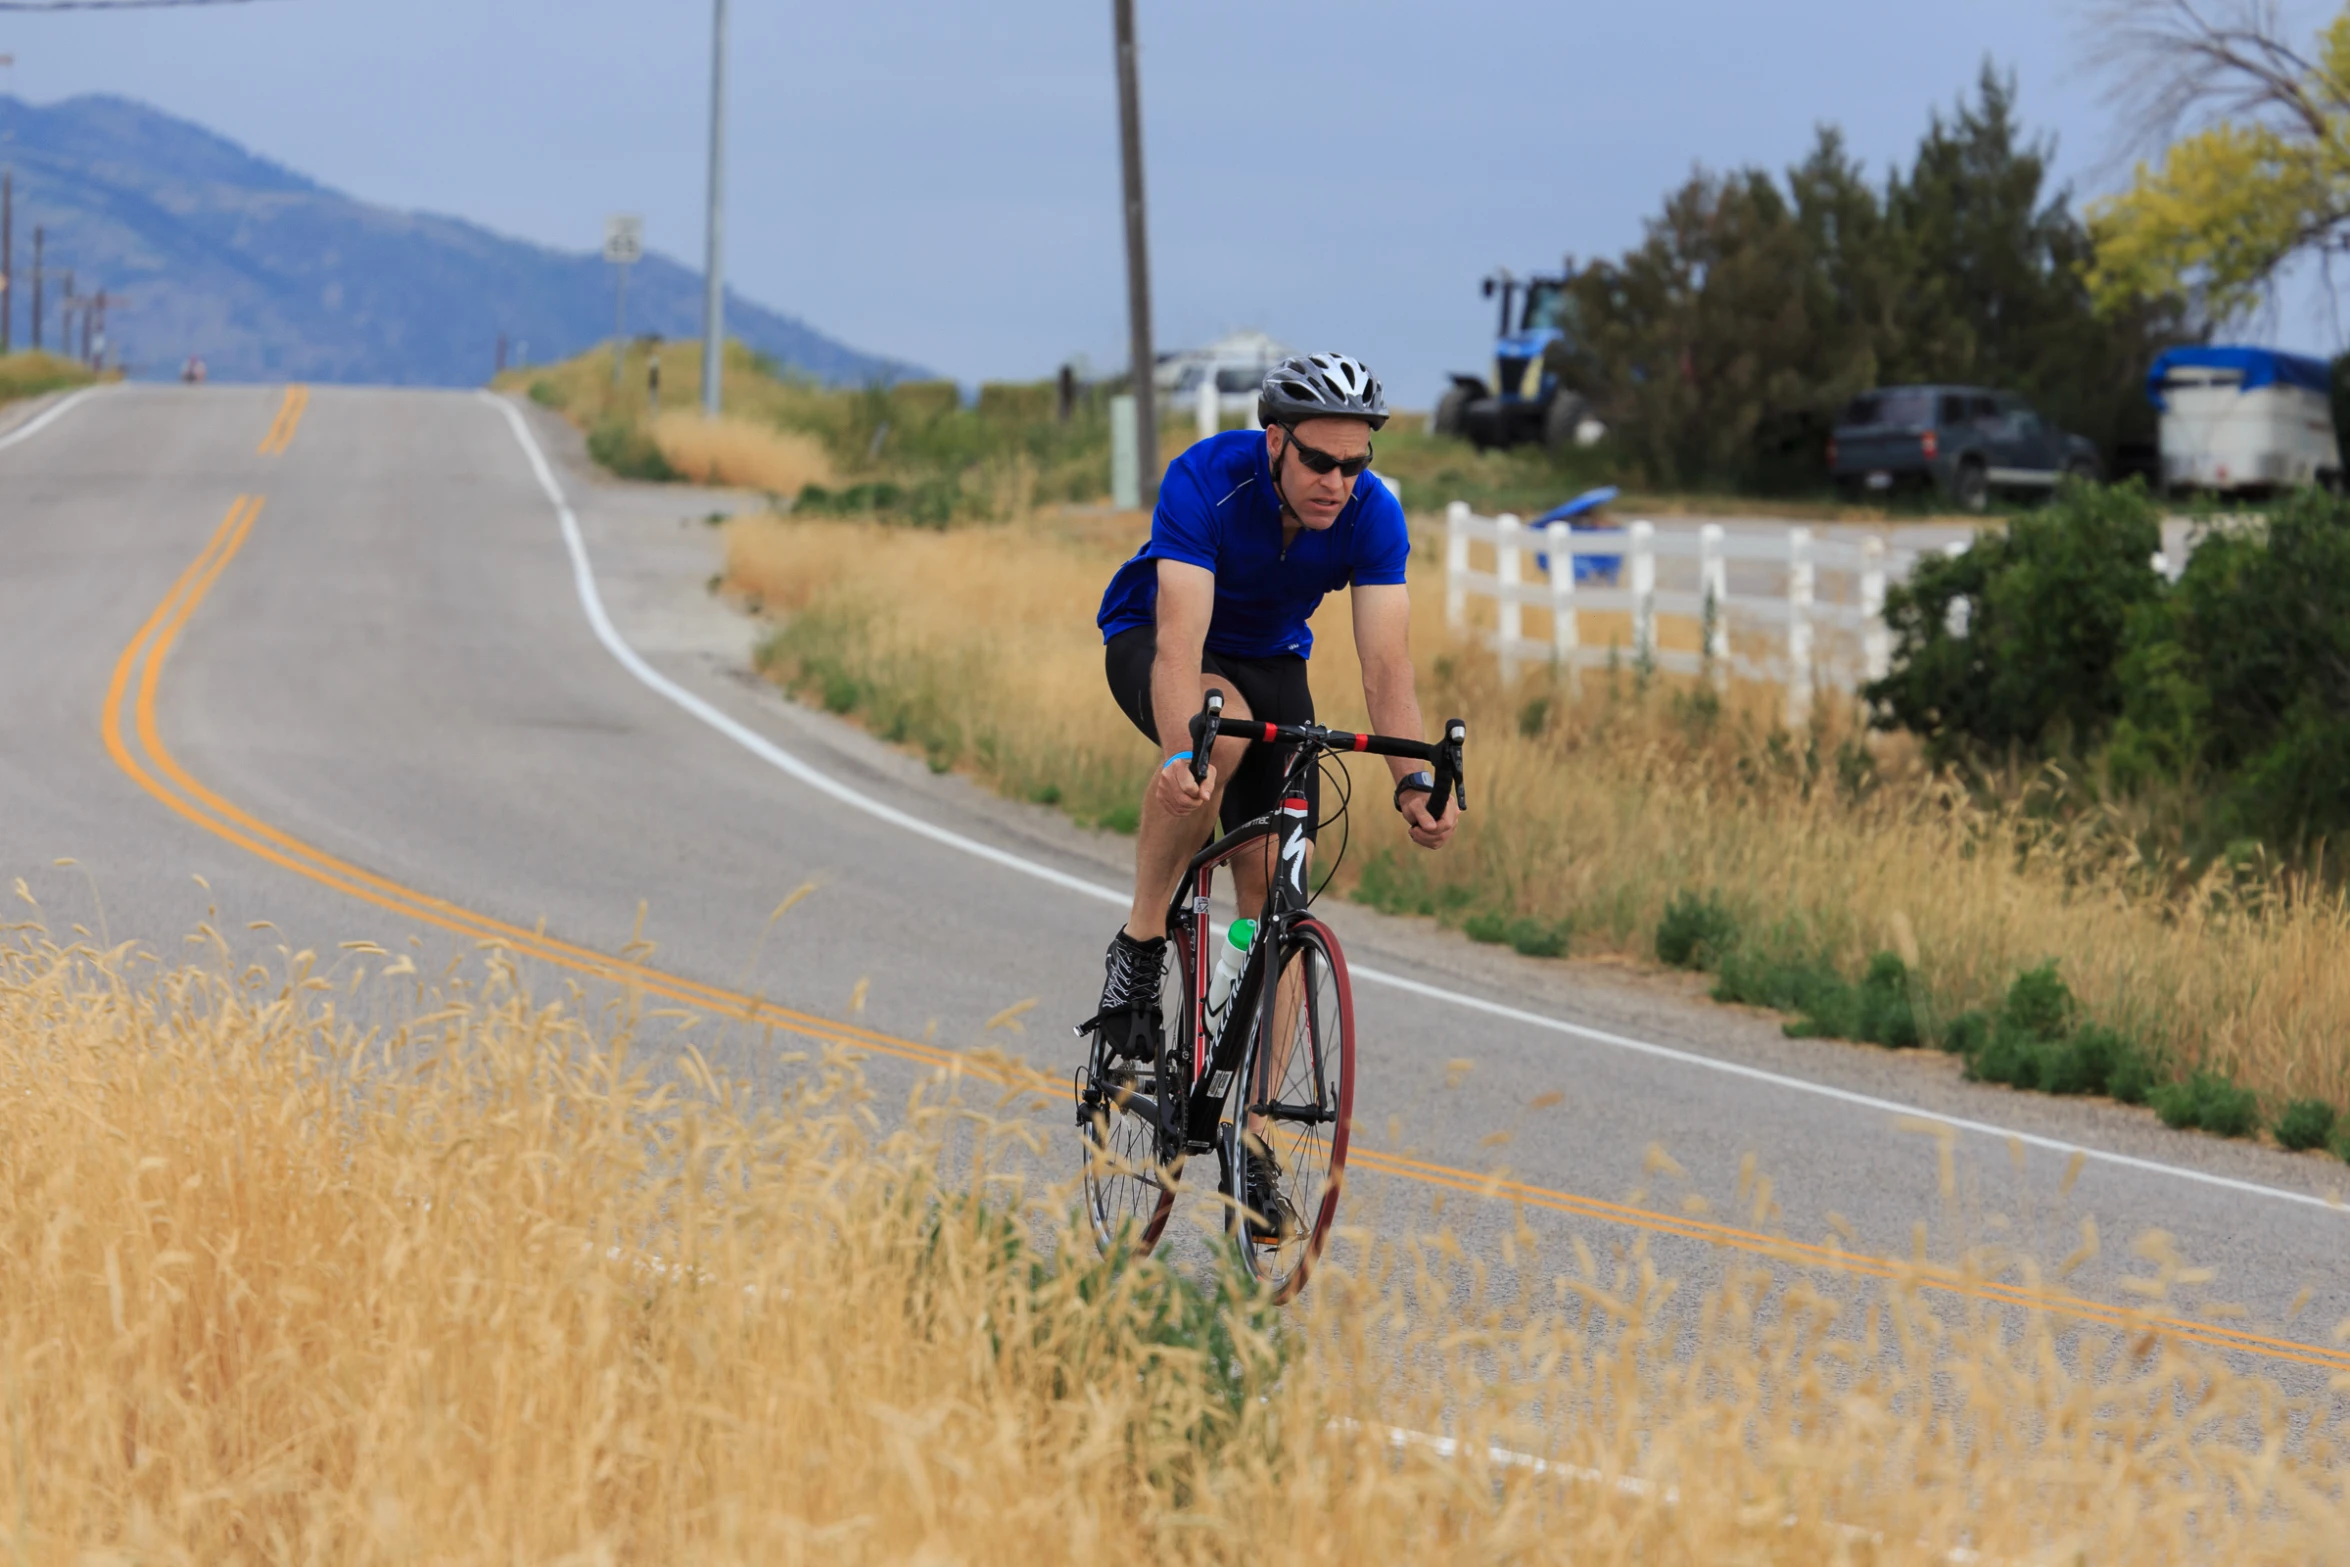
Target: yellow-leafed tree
{"type": "Point", "coordinates": [2265, 177]}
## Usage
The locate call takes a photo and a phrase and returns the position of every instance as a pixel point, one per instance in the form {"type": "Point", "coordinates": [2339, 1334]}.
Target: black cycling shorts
{"type": "Point", "coordinates": [1275, 691]}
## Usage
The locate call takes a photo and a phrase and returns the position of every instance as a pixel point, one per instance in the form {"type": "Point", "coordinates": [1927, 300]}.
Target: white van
{"type": "Point", "coordinates": [2244, 419]}
{"type": "Point", "coordinates": [1238, 362]}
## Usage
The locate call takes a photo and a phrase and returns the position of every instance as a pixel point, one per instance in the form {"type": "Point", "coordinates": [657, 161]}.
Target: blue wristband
{"type": "Point", "coordinates": [1180, 756]}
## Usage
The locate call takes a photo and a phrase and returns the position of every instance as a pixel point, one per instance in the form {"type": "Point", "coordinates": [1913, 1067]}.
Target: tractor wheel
{"type": "Point", "coordinates": [1452, 413]}
{"type": "Point", "coordinates": [1562, 419]}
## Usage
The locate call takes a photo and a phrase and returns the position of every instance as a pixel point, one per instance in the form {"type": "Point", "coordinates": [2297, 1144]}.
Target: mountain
{"type": "Point", "coordinates": [272, 276]}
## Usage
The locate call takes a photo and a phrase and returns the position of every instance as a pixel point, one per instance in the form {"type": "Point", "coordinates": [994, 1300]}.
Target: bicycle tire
{"type": "Point", "coordinates": [1309, 1109]}
{"type": "Point", "coordinates": [1132, 1171]}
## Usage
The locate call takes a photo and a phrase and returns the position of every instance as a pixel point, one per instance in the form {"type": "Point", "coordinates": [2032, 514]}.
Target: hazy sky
{"type": "Point", "coordinates": [939, 182]}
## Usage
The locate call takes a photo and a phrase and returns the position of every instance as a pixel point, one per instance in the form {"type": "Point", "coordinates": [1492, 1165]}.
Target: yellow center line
{"type": "Point", "coordinates": [135, 742]}
{"type": "Point", "coordinates": [289, 419]}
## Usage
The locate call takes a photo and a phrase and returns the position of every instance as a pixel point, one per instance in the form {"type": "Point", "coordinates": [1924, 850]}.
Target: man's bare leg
{"type": "Point", "coordinates": [1164, 842]}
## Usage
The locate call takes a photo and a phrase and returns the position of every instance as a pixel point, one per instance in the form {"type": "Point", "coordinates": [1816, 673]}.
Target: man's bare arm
{"type": "Point", "coordinates": [1383, 623]}
{"type": "Point", "coordinates": [1187, 599]}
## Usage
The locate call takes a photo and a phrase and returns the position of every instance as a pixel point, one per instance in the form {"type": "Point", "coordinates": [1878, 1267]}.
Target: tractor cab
{"type": "Point", "coordinates": [1519, 398]}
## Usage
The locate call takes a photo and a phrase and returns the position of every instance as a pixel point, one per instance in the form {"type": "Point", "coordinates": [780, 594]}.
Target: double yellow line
{"type": "Point", "coordinates": [132, 738]}
{"type": "Point", "coordinates": [134, 741]}
{"type": "Point", "coordinates": [289, 419]}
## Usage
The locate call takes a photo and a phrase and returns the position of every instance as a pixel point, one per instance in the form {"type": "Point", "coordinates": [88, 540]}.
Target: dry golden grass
{"type": "Point", "coordinates": [979, 645]}
{"type": "Point", "coordinates": [742, 453]}
{"type": "Point", "coordinates": [29, 374]}
{"type": "Point", "coordinates": [485, 1283]}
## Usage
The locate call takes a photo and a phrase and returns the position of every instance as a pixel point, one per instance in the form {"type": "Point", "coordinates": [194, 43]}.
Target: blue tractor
{"type": "Point", "coordinates": [1523, 400]}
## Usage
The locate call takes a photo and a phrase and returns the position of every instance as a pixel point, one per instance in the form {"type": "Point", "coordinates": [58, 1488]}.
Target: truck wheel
{"type": "Point", "coordinates": [1970, 486]}
{"type": "Point", "coordinates": [1561, 420]}
{"type": "Point", "coordinates": [1451, 414]}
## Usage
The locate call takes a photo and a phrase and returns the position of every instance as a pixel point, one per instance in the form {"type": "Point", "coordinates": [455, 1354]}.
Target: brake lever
{"type": "Point", "coordinates": [1204, 727]}
{"type": "Point", "coordinates": [1449, 769]}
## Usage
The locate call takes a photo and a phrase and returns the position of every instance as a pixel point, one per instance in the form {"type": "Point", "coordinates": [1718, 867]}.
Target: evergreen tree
{"type": "Point", "coordinates": [1723, 346]}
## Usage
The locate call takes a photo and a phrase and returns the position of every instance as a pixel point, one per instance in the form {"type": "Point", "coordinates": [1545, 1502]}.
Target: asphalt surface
{"type": "Point", "coordinates": [409, 728]}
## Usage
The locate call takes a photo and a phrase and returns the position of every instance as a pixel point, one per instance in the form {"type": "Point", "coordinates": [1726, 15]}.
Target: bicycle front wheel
{"type": "Point", "coordinates": [1296, 1107]}
{"type": "Point", "coordinates": [1129, 1121]}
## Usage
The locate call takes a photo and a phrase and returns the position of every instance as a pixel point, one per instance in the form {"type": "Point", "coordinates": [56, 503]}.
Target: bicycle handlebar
{"type": "Point", "coordinates": [1208, 726]}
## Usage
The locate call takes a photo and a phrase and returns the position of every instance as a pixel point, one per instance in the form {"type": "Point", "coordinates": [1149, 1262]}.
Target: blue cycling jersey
{"type": "Point", "coordinates": [1217, 510]}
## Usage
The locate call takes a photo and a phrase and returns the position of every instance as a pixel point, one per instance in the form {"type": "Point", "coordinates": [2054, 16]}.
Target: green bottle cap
{"type": "Point", "coordinates": [1241, 933]}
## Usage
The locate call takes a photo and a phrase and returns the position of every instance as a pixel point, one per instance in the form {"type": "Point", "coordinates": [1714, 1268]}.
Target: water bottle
{"type": "Point", "coordinates": [1227, 972]}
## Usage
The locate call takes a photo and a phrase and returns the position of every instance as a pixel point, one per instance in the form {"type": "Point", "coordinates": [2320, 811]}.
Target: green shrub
{"type": "Point", "coordinates": [1876, 1011]}
{"type": "Point", "coordinates": [2011, 1058]}
{"type": "Point", "coordinates": [1695, 932]}
{"type": "Point", "coordinates": [2133, 1079]}
{"type": "Point", "coordinates": [1966, 1033]}
{"type": "Point", "coordinates": [1488, 925]}
{"type": "Point", "coordinates": [932, 503]}
{"type": "Point", "coordinates": [2038, 1003]}
{"type": "Point", "coordinates": [2228, 1110]}
{"type": "Point", "coordinates": [628, 452]}
{"type": "Point", "coordinates": [2048, 605]}
{"type": "Point", "coordinates": [2306, 1123]}
{"type": "Point", "coordinates": [1539, 938]}
{"type": "Point", "coordinates": [2234, 679]}
{"type": "Point", "coordinates": [547, 394]}
{"type": "Point", "coordinates": [2209, 1101]}
{"type": "Point", "coordinates": [2035, 1041]}
{"type": "Point", "coordinates": [1786, 979]}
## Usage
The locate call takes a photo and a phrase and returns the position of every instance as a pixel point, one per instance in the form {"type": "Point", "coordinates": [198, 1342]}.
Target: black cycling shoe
{"type": "Point", "coordinates": [1128, 1018]}
{"type": "Point", "coordinates": [1271, 1220]}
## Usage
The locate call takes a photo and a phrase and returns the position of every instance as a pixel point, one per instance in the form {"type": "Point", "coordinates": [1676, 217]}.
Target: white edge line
{"type": "Point", "coordinates": [591, 600]}
{"type": "Point", "coordinates": [47, 416]}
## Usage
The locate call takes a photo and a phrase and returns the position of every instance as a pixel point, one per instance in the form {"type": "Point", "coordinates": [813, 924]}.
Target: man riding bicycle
{"type": "Point", "coordinates": [1251, 531]}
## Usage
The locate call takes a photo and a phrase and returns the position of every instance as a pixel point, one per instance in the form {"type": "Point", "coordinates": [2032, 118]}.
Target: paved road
{"type": "Point", "coordinates": [391, 719]}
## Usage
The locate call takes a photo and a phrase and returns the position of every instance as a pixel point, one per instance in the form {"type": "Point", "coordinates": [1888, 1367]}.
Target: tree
{"type": "Point", "coordinates": [1724, 345]}
{"type": "Point", "coordinates": [2266, 179]}
{"type": "Point", "coordinates": [2001, 293]}
{"type": "Point", "coordinates": [1697, 336]}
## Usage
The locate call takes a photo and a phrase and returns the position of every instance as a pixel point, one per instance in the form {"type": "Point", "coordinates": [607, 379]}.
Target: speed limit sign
{"type": "Point", "coordinates": [624, 239]}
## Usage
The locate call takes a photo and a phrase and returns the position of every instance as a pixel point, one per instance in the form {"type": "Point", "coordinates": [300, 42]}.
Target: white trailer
{"type": "Point", "coordinates": [2244, 419]}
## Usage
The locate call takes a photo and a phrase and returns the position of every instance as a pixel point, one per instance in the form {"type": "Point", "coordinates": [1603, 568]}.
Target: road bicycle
{"type": "Point", "coordinates": [1278, 1077]}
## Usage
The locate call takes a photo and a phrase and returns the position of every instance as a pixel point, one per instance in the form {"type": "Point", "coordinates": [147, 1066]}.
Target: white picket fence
{"type": "Point", "coordinates": [1789, 623]}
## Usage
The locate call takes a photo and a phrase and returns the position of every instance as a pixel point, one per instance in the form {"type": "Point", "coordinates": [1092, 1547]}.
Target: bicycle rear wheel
{"type": "Point", "coordinates": [1296, 1104]}
{"type": "Point", "coordinates": [1130, 1127]}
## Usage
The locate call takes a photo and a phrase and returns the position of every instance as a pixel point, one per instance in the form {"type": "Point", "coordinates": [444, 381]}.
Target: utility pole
{"type": "Point", "coordinates": [713, 277]}
{"type": "Point", "coordinates": [7, 259]}
{"type": "Point", "coordinates": [37, 236]}
{"type": "Point", "coordinates": [1138, 267]}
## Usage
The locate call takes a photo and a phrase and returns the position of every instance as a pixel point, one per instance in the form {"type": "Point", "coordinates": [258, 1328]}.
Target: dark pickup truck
{"type": "Point", "coordinates": [1965, 441]}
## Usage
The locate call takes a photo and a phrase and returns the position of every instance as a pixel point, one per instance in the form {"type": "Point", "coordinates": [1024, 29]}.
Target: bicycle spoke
{"type": "Point", "coordinates": [1299, 1093]}
{"type": "Point", "coordinates": [1131, 1172]}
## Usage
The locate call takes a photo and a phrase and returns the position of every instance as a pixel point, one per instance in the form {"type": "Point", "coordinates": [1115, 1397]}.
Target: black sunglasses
{"type": "Point", "coordinates": [1322, 462]}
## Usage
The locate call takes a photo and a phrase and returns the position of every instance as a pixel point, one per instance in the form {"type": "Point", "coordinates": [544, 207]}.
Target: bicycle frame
{"type": "Point", "coordinates": [1212, 1071]}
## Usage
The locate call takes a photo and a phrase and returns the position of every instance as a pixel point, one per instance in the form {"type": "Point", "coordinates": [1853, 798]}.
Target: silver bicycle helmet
{"type": "Point", "coordinates": [1321, 386]}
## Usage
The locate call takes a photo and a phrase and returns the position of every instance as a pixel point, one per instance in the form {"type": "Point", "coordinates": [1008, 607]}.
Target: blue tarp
{"type": "Point", "coordinates": [2259, 367]}
{"type": "Point", "coordinates": [1588, 568]}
